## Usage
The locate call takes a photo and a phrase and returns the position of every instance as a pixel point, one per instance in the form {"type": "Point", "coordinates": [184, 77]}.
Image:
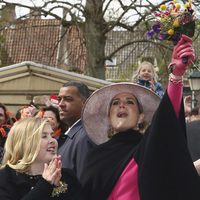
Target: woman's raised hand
{"type": "Point", "coordinates": [182, 50]}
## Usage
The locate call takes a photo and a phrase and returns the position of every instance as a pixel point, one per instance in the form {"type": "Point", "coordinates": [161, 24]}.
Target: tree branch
{"type": "Point", "coordinates": [137, 41]}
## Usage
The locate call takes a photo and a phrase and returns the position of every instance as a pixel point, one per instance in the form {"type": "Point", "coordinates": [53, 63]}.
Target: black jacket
{"type": "Point", "coordinates": [74, 149]}
{"type": "Point", "coordinates": [19, 186]}
{"type": "Point", "coordinates": [193, 137]}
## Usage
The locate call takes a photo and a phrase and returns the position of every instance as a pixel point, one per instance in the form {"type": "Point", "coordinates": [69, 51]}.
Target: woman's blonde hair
{"type": "Point", "coordinates": [23, 143]}
{"type": "Point", "coordinates": [135, 76]}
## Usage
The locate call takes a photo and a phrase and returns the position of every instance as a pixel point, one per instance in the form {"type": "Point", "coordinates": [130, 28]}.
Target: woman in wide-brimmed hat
{"type": "Point", "coordinates": [131, 161]}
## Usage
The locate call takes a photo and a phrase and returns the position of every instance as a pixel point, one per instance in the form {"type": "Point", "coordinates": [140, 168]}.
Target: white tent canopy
{"type": "Point", "coordinates": [20, 83]}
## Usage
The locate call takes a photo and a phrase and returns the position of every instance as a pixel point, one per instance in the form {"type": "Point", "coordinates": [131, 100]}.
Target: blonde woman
{"type": "Point", "coordinates": [145, 75]}
{"type": "Point", "coordinates": [31, 168]}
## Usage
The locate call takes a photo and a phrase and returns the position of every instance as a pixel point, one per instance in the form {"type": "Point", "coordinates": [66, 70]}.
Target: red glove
{"type": "Point", "coordinates": [183, 50]}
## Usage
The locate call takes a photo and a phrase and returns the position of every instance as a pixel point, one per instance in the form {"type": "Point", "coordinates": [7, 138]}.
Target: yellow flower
{"type": "Point", "coordinates": [163, 19]}
{"type": "Point", "coordinates": [175, 1]}
{"type": "Point", "coordinates": [187, 5]}
{"type": "Point", "coordinates": [178, 6]}
{"type": "Point", "coordinates": [163, 7]}
{"type": "Point", "coordinates": [170, 32]}
{"type": "Point", "coordinates": [176, 24]}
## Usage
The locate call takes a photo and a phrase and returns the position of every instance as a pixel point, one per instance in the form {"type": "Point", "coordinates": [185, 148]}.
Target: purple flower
{"type": "Point", "coordinates": [150, 33]}
{"type": "Point", "coordinates": [156, 28]}
{"type": "Point", "coordinates": [175, 38]}
{"type": "Point", "coordinates": [163, 36]}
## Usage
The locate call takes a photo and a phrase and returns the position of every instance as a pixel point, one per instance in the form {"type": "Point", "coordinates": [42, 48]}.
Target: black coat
{"type": "Point", "coordinates": [19, 186]}
{"type": "Point", "coordinates": [165, 168]}
{"type": "Point", "coordinates": [193, 136]}
{"type": "Point", "coordinates": [74, 149]}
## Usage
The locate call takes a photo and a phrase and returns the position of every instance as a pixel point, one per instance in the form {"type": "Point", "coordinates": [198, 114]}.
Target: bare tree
{"type": "Point", "coordinates": [96, 18]}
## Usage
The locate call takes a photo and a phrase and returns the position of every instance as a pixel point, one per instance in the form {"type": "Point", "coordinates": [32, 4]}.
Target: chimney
{"type": "Point", "coordinates": [8, 13]}
{"type": "Point", "coordinates": [35, 13]}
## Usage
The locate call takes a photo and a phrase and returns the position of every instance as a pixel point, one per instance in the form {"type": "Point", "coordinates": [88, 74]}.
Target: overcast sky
{"type": "Point", "coordinates": [23, 11]}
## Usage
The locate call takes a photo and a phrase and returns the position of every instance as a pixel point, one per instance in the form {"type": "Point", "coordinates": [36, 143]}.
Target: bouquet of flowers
{"type": "Point", "coordinates": [173, 19]}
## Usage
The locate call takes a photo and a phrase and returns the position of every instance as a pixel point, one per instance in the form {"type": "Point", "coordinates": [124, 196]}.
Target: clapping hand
{"type": "Point", "coordinates": [152, 86]}
{"type": "Point", "coordinates": [52, 171]}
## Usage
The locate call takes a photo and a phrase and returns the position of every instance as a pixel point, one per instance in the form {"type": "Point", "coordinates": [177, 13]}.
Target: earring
{"type": "Point", "coordinates": [137, 128]}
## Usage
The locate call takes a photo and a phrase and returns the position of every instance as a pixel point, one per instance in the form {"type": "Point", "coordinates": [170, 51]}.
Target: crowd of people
{"type": "Point", "coordinates": [125, 141]}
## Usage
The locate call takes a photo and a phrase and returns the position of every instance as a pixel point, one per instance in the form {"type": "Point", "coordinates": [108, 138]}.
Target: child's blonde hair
{"type": "Point", "coordinates": [135, 76]}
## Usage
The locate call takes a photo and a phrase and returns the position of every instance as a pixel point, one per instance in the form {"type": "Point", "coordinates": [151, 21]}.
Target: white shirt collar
{"type": "Point", "coordinates": [71, 127]}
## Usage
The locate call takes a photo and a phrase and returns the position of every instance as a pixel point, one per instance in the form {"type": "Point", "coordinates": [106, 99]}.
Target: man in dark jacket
{"type": "Point", "coordinates": [74, 143]}
{"type": "Point", "coordinates": [193, 134]}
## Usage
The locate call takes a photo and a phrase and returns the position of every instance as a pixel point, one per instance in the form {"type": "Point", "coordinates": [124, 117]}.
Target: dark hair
{"type": "Point", "coordinates": [7, 117]}
{"type": "Point", "coordinates": [54, 110]}
{"type": "Point", "coordinates": [18, 114]}
{"type": "Point", "coordinates": [195, 111]}
{"type": "Point", "coordinates": [82, 88]}
{"type": "Point", "coordinates": [33, 104]}
{"type": "Point", "coordinates": [5, 110]}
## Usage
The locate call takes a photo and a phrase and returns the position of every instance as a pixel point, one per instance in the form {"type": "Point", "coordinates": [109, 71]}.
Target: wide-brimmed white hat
{"type": "Point", "coordinates": [95, 112]}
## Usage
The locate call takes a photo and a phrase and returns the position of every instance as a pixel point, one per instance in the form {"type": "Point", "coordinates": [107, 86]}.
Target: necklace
{"type": "Point", "coordinates": [31, 177]}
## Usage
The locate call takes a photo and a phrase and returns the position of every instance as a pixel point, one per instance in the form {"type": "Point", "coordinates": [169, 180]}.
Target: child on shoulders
{"type": "Point", "coordinates": [146, 76]}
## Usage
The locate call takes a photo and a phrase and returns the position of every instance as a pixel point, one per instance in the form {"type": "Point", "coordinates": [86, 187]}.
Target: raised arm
{"type": "Point", "coordinates": [178, 68]}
